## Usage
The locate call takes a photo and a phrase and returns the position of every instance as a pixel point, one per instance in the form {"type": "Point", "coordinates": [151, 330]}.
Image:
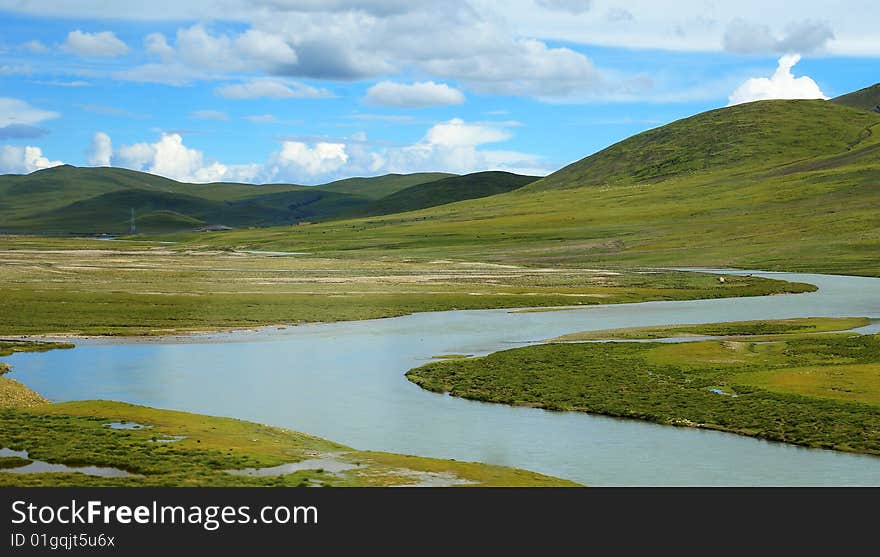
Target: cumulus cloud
{"type": "Point", "coordinates": [526, 67]}
{"type": "Point", "coordinates": [103, 44]}
{"type": "Point", "coordinates": [209, 115]}
{"type": "Point", "coordinates": [199, 48]}
{"type": "Point", "coordinates": [23, 160]}
{"type": "Point", "coordinates": [415, 95]}
{"type": "Point", "coordinates": [781, 85]}
{"type": "Point", "coordinates": [101, 150]}
{"type": "Point", "coordinates": [169, 157]}
{"type": "Point", "coordinates": [297, 158]}
{"type": "Point", "coordinates": [270, 88]}
{"type": "Point", "coordinates": [744, 37]}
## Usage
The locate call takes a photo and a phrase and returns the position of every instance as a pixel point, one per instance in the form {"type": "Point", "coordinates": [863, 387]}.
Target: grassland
{"type": "Point", "coordinates": [774, 185]}
{"type": "Point", "coordinates": [75, 433]}
{"type": "Point", "coordinates": [90, 287]}
{"type": "Point", "coordinates": [817, 389]}
{"type": "Point", "coordinates": [736, 328]}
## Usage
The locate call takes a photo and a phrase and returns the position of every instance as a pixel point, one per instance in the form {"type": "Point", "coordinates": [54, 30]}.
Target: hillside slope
{"type": "Point", "coordinates": [864, 99]}
{"type": "Point", "coordinates": [771, 185]}
{"type": "Point", "coordinates": [447, 190]}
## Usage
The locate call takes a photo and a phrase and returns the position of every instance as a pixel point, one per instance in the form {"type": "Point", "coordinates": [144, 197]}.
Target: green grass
{"type": "Point", "coordinates": [774, 185]}
{"type": "Point", "coordinates": [775, 327]}
{"type": "Point", "coordinates": [49, 286]}
{"type": "Point", "coordinates": [73, 433]}
{"type": "Point", "coordinates": [447, 190]}
{"type": "Point", "coordinates": [817, 390]}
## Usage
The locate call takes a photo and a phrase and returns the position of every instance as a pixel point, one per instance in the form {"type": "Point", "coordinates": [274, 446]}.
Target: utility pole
{"type": "Point", "coordinates": [133, 228]}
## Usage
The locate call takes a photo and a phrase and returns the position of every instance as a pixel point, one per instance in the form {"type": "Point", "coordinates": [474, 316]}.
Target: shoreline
{"type": "Point", "coordinates": [206, 335]}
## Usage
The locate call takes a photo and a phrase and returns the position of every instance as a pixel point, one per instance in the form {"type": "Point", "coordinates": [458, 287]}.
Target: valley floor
{"type": "Point", "coordinates": [69, 287]}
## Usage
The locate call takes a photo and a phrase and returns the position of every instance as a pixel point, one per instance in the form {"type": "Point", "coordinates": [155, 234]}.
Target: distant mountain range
{"type": "Point", "coordinates": [71, 200]}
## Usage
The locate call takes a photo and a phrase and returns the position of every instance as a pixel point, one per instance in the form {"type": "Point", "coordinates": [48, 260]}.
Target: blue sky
{"type": "Point", "coordinates": [307, 91]}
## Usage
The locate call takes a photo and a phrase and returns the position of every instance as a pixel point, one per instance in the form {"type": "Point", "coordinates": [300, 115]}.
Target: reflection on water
{"type": "Point", "coordinates": [38, 466]}
{"type": "Point", "coordinates": [345, 382]}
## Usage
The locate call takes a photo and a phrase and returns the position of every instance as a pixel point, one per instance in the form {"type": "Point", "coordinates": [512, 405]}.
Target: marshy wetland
{"type": "Point", "coordinates": [346, 381]}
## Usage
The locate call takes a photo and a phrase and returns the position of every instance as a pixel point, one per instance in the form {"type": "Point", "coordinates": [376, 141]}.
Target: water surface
{"type": "Point", "coordinates": [345, 382]}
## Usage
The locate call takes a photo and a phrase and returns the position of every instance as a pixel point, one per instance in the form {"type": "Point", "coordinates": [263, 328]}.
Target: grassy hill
{"type": "Point", "coordinates": [70, 200]}
{"type": "Point", "coordinates": [382, 186]}
{"type": "Point", "coordinates": [447, 190]}
{"type": "Point", "coordinates": [772, 184]}
{"type": "Point", "coordinates": [864, 99]}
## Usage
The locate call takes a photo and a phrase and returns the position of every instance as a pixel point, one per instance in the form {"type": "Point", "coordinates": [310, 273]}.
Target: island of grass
{"type": "Point", "coordinates": [103, 443]}
{"type": "Point", "coordinates": [796, 380]}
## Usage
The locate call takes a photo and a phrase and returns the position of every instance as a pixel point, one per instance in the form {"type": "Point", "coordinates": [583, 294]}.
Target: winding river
{"type": "Point", "coordinates": [345, 381]}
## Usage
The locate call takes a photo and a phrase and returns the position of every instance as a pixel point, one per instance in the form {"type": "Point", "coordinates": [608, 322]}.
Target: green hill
{"type": "Point", "coordinates": [71, 200]}
{"type": "Point", "coordinates": [447, 190]}
{"type": "Point", "coordinates": [382, 186]}
{"type": "Point", "coordinates": [771, 185]}
{"type": "Point", "coordinates": [864, 99]}
{"type": "Point", "coordinates": [740, 138]}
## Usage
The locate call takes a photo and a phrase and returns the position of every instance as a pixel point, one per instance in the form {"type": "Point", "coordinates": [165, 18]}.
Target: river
{"type": "Point", "coordinates": [345, 381]}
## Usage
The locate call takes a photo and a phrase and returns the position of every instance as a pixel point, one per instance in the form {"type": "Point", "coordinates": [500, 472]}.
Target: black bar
{"type": "Point", "coordinates": [459, 520]}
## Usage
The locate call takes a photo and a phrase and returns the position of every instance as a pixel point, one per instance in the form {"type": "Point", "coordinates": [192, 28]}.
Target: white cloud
{"type": "Point", "coordinates": [157, 44]}
{"type": "Point", "coordinates": [415, 95]}
{"type": "Point", "coordinates": [744, 37]}
{"type": "Point", "coordinates": [270, 88]}
{"type": "Point", "coordinates": [101, 150]}
{"type": "Point", "coordinates": [259, 45]}
{"type": "Point", "coordinates": [23, 160]}
{"type": "Point", "coordinates": [457, 133]}
{"type": "Point", "coordinates": [35, 47]}
{"type": "Point", "coordinates": [524, 67]}
{"type": "Point", "coordinates": [781, 85]}
{"type": "Point", "coordinates": [297, 158]}
{"type": "Point", "coordinates": [209, 115]}
{"type": "Point", "coordinates": [169, 157]}
{"type": "Point", "coordinates": [16, 111]}
{"type": "Point", "coordinates": [102, 44]}
{"type": "Point", "coordinates": [351, 27]}
{"type": "Point", "coordinates": [451, 146]}
{"type": "Point", "coordinates": [198, 48]}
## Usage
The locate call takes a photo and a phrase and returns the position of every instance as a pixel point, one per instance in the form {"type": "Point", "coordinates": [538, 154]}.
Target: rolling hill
{"type": "Point", "coordinates": [70, 200]}
{"type": "Point", "coordinates": [772, 185]}
{"type": "Point", "coordinates": [447, 190]}
{"type": "Point", "coordinates": [864, 99]}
